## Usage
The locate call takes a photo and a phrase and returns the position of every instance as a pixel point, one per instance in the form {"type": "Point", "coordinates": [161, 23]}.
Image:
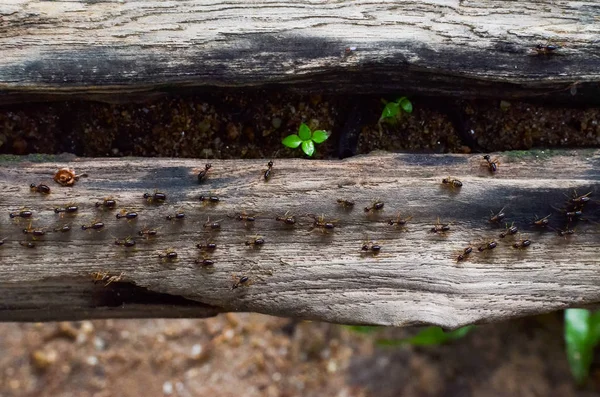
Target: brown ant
{"type": "Point", "coordinates": [579, 200]}
{"type": "Point", "coordinates": [546, 49]}
{"type": "Point", "coordinates": [286, 218]}
{"type": "Point", "coordinates": [68, 209]}
{"type": "Point", "coordinates": [375, 206]}
{"type": "Point", "coordinates": [127, 214]}
{"type": "Point", "coordinates": [209, 199]}
{"type": "Point", "coordinates": [24, 213]}
{"type": "Point", "coordinates": [440, 228]}
{"type": "Point", "coordinates": [543, 222]}
{"type": "Point", "coordinates": [321, 223]}
{"type": "Point", "coordinates": [202, 175]}
{"type": "Point", "coordinates": [370, 247]}
{"type": "Point", "coordinates": [212, 225]}
{"type": "Point", "coordinates": [242, 281]}
{"type": "Point", "coordinates": [521, 244]}
{"type": "Point", "coordinates": [125, 242]}
{"type": "Point", "coordinates": [41, 188]}
{"type": "Point", "coordinates": [564, 233]}
{"type": "Point", "coordinates": [488, 245]}
{"type": "Point", "coordinates": [207, 246]}
{"type": "Point", "coordinates": [509, 230]}
{"type": "Point", "coordinates": [492, 165]}
{"type": "Point", "coordinates": [63, 229]}
{"type": "Point", "coordinates": [346, 204]}
{"type": "Point", "coordinates": [399, 222]}
{"type": "Point", "coordinates": [156, 197]}
{"type": "Point", "coordinates": [452, 183]}
{"type": "Point", "coordinates": [107, 203]}
{"type": "Point", "coordinates": [242, 216]}
{"type": "Point", "coordinates": [169, 254]}
{"type": "Point", "coordinates": [269, 170]}
{"type": "Point", "coordinates": [177, 216]}
{"type": "Point", "coordinates": [93, 226]}
{"type": "Point", "coordinates": [497, 218]}
{"type": "Point", "coordinates": [255, 242]}
{"type": "Point", "coordinates": [105, 276]}
{"type": "Point", "coordinates": [205, 262]}
{"type": "Point", "coordinates": [34, 232]}
{"type": "Point", "coordinates": [463, 255]}
{"type": "Point", "coordinates": [147, 232]}
{"type": "Point", "coordinates": [28, 244]}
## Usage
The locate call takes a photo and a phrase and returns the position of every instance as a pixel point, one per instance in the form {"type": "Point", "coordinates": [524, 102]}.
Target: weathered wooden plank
{"type": "Point", "coordinates": [435, 47]}
{"type": "Point", "coordinates": [298, 272]}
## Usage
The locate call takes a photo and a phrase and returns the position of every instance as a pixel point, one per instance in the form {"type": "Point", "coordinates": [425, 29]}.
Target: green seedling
{"type": "Point", "coordinates": [306, 138]}
{"type": "Point", "coordinates": [429, 336]}
{"type": "Point", "coordinates": [582, 334]}
{"type": "Point", "coordinates": [393, 110]}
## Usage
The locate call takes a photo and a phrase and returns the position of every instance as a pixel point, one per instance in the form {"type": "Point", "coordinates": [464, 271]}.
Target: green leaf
{"type": "Point", "coordinates": [390, 110]}
{"type": "Point", "coordinates": [304, 132]}
{"type": "Point", "coordinates": [319, 136]}
{"type": "Point", "coordinates": [405, 104]}
{"type": "Point", "coordinates": [582, 334]}
{"type": "Point", "coordinates": [308, 147]}
{"type": "Point", "coordinates": [292, 141]}
{"type": "Point", "coordinates": [429, 336]}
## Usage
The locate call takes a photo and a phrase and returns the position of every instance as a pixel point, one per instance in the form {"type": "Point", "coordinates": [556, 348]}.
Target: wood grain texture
{"type": "Point", "coordinates": [106, 48]}
{"type": "Point", "coordinates": [298, 272]}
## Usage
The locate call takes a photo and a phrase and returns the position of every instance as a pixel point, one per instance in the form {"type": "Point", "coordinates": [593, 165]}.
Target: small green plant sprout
{"type": "Point", "coordinates": [582, 335]}
{"type": "Point", "coordinates": [306, 138]}
{"type": "Point", "coordinates": [393, 110]}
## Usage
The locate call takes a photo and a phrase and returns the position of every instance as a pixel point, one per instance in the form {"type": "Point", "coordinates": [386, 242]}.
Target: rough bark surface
{"type": "Point", "coordinates": [300, 271]}
{"type": "Point", "coordinates": [110, 49]}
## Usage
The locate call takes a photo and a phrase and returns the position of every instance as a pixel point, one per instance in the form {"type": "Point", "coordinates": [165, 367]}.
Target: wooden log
{"type": "Point", "coordinates": [302, 271]}
{"type": "Point", "coordinates": [110, 49]}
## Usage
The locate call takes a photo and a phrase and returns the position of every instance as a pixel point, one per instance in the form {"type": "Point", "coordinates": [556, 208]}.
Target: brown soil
{"type": "Point", "coordinates": [255, 355]}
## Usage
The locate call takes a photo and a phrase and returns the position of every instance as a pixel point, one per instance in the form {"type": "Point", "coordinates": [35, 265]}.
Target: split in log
{"type": "Point", "coordinates": [109, 49]}
{"type": "Point", "coordinates": [305, 269]}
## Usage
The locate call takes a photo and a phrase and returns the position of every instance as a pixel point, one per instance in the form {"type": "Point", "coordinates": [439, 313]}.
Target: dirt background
{"type": "Point", "coordinates": [256, 355]}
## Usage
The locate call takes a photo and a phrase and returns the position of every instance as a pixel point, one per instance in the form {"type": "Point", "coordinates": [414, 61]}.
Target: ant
{"type": "Point", "coordinates": [564, 233]}
{"type": "Point", "coordinates": [28, 244]}
{"type": "Point", "coordinates": [546, 49]}
{"type": "Point", "coordinates": [63, 229]}
{"type": "Point", "coordinates": [127, 214]}
{"type": "Point", "coordinates": [497, 218]}
{"type": "Point", "coordinates": [243, 281]}
{"type": "Point", "coordinates": [321, 223]}
{"type": "Point", "coordinates": [370, 247]}
{"type": "Point", "coordinates": [208, 246]}
{"type": "Point", "coordinates": [521, 244]}
{"type": "Point", "coordinates": [268, 171]}
{"type": "Point", "coordinates": [543, 222]}
{"type": "Point", "coordinates": [168, 254]}
{"type": "Point", "coordinates": [34, 232]}
{"type": "Point", "coordinates": [69, 209]}
{"type": "Point", "coordinates": [41, 188]}
{"type": "Point", "coordinates": [125, 242]}
{"type": "Point", "coordinates": [463, 255]}
{"type": "Point", "coordinates": [375, 206]}
{"type": "Point", "coordinates": [256, 242]}
{"type": "Point", "coordinates": [178, 215]}
{"type": "Point", "coordinates": [346, 204]}
{"type": "Point", "coordinates": [156, 197]}
{"type": "Point", "coordinates": [98, 276]}
{"type": "Point", "coordinates": [440, 228]}
{"type": "Point", "coordinates": [492, 165]}
{"type": "Point", "coordinates": [212, 225]}
{"type": "Point", "coordinates": [24, 213]}
{"type": "Point", "coordinates": [579, 200]}
{"type": "Point", "coordinates": [209, 199]}
{"type": "Point", "coordinates": [488, 245]}
{"type": "Point", "coordinates": [202, 175]}
{"type": "Point", "coordinates": [147, 233]}
{"type": "Point", "coordinates": [107, 203]}
{"type": "Point", "coordinates": [452, 183]}
{"type": "Point", "coordinates": [205, 262]}
{"type": "Point", "coordinates": [509, 230]}
{"type": "Point", "coordinates": [399, 222]}
{"type": "Point", "coordinates": [243, 217]}
{"type": "Point", "coordinates": [286, 218]}
{"type": "Point", "coordinates": [93, 226]}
